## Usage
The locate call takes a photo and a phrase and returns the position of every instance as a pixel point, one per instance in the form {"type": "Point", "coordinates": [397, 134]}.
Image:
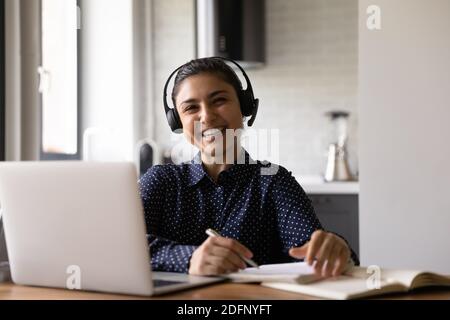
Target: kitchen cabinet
{"type": "Point", "coordinates": [336, 206]}
{"type": "Point", "coordinates": [339, 213]}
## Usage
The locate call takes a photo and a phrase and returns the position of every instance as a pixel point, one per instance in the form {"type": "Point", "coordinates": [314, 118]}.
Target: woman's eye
{"type": "Point", "coordinates": [219, 100]}
{"type": "Point", "coordinates": [190, 108]}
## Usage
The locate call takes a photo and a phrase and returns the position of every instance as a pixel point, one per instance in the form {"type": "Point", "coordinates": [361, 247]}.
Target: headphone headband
{"type": "Point", "coordinates": [246, 99]}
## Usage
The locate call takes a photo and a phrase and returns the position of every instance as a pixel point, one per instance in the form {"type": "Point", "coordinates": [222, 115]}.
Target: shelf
{"type": "Point", "coordinates": [316, 185]}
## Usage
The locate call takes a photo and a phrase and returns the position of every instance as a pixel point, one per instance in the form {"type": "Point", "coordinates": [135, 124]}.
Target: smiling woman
{"type": "Point", "coordinates": [204, 98]}
{"type": "Point", "coordinates": [266, 217]}
{"type": "Point", "coordinates": [222, 93]}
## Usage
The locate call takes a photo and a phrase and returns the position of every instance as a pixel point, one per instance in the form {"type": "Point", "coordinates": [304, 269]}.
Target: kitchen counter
{"type": "Point", "coordinates": [316, 185]}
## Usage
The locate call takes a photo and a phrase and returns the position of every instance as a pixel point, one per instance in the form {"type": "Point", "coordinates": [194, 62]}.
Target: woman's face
{"type": "Point", "coordinates": [208, 106]}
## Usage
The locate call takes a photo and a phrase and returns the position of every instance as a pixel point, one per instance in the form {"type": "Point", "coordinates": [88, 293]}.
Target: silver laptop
{"type": "Point", "coordinates": [80, 225]}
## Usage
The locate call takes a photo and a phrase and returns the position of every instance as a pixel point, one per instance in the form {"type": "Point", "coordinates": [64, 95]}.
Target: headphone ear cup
{"type": "Point", "coordinates": [174, 120]}
{"type": "Point", "coordinates": [246, 105]}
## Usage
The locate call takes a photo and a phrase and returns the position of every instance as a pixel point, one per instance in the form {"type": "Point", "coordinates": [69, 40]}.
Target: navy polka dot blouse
{"type": "Point", "coordinates": [269, 214]}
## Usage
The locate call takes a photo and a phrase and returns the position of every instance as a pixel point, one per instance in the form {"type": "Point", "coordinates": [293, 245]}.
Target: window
{"type": "Point", "coordinates": [60, 112]}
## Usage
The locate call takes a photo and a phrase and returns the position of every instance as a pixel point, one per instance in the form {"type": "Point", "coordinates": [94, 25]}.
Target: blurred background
{"type": "Point", "coordinates": [358, 91]}
{"type": "Point", "coordinates": [111, 71]}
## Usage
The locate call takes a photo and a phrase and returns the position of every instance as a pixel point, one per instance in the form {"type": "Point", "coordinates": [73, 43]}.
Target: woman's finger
{"type": "Point", "coordinates": [342, 261]}
{"type": "Point", "coordinates": [221, 262]}
{"type": "Point", "coordinates": [234, 245]}
{"type": "Point", "coordinates": [323, 254]}
{"type": "Point", "coordinates": [229, 255]}
{"type": "Point", "coordinates": [314, 245]}
{"type": "Point", "coordinates": [331, 260]}
{"type": "Point", "coordinates": [299, 252]}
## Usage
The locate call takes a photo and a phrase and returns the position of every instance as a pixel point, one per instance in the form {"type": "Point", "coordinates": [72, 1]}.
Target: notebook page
{"type": "Point", "coordinates": [405, 277]}
{"type": "Point", "coordinates": [342, 287]}
{"type": "Point", "coordinates": [276, 272]}
{"type": "Point", "coordinates": [294, 268]}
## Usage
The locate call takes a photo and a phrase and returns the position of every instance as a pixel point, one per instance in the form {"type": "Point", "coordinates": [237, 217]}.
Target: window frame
{"type": "Point", "coordinates": [62, 156]}
{"type": "Point", "coordinates": [2, 86]}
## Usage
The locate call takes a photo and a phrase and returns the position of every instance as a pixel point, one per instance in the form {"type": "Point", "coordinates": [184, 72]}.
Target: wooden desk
{"type": "Point", "coordinates": [222, 291]}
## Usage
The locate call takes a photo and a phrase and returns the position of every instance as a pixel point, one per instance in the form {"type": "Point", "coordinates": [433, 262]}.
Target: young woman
{"type": "Point", "coordinates": [265, 217]}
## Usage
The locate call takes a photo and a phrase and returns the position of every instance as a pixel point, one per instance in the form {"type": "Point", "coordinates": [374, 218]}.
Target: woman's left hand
{"type": "Point", "coordinates": [330, 251]}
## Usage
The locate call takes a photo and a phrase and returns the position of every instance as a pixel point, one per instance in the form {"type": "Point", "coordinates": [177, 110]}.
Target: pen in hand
{"type": "Point", "coordinates": [213, 233]}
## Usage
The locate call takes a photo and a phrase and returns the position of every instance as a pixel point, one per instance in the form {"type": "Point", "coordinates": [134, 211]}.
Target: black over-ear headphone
{"type": "Point", "coordinates": [249, 105]}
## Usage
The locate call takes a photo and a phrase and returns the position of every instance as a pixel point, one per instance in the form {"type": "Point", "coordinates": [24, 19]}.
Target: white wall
{"type": "Point", "coordinates": [404, 81]}
{"type": "Point", "coordinates": [311, 68]}
{"type": "Point", "coordinates": [173, 45]}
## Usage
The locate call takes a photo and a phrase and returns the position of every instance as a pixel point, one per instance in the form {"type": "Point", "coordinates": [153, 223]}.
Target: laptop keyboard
{"type": "Point", "coordinates": [162, 283]}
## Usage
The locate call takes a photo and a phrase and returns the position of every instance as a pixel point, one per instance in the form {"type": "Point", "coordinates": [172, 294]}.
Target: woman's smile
{"type": "Point", "coordinates": [210, 113]}
{"type": "Point", "coordinates": [210, 135]}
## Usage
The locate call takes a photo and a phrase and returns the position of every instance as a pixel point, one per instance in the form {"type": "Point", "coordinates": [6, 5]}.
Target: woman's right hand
{"type": "Point", "coordinates": [218, 255]}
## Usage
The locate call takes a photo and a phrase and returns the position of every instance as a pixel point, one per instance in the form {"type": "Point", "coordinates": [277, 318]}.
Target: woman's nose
{"type": "Point", "coordinates": [207, 114]}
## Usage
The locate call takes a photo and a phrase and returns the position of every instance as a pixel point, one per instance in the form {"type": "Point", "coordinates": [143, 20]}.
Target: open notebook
{"type": "Point", "coordinates": [358, 283]}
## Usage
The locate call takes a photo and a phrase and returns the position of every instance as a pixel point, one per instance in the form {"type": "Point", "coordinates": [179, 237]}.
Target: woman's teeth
{"type": "Point", "coordinates": [210, 134]}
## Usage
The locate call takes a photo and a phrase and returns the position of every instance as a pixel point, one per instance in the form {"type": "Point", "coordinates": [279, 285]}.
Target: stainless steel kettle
{"type": "Point", "coordinates": [337, 164]}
